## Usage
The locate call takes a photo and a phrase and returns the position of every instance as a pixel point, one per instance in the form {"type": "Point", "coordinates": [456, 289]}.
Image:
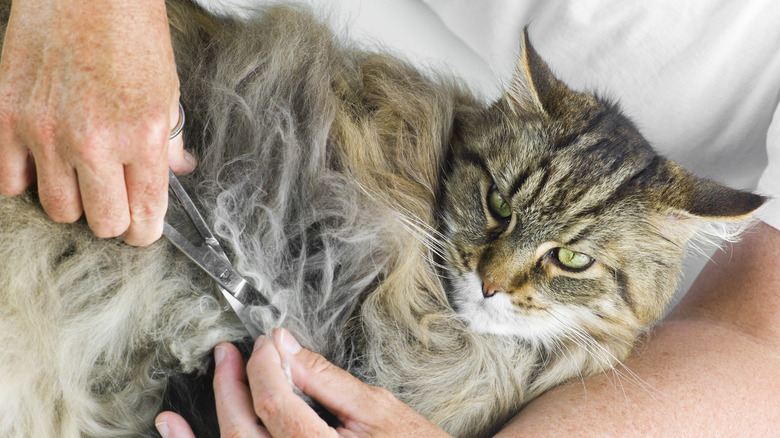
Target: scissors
{"type": "Point", "coordinates": [211, 258]}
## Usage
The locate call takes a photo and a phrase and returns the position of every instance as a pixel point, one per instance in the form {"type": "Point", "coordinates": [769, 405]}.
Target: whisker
{"type": "Point", "coordinates": [570, 359]}
{"type": "Point", "coordinates": [604, 357]}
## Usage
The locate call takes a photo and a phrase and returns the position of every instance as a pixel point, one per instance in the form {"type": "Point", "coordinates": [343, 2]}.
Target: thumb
{"type": "Point", "coordinates": [171, 425]}
{"type": "Point", "coordinates": [334, 388]}
{"type": "Point", "coordinates": [362, 409]}
{"type": "Point", "coordinates": [179, 159]}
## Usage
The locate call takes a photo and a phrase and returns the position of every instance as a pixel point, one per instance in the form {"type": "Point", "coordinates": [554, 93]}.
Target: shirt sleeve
{"type": "Point", "coordinates": [769, 184]}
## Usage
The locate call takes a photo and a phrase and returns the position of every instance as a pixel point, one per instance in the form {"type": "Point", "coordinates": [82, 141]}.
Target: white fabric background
{"type": "Point", "coordinates": [701, 78]}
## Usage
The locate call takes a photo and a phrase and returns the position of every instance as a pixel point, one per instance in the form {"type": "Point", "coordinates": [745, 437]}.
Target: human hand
{"type": "Point", "coordinates": [88, 96]}
{"type": "Point", "coordinates": [362, 410]}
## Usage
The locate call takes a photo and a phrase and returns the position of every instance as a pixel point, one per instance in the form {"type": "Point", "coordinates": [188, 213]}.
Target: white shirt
{"type": "Point", "coordinates": [700, 78]}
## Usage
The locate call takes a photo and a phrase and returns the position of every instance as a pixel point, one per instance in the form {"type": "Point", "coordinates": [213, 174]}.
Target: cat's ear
{"type": "Point", "coordinates": [686, 204]}
{"type": "Point", "coordinates": [533, 86]}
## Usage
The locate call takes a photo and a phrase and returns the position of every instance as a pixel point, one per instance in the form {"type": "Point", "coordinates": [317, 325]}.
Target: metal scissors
{"type": "Point", "coordinates": [211, 258]}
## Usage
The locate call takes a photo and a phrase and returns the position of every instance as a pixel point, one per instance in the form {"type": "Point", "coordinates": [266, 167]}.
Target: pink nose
{"type": "Point", "coordinates": [489, 288]}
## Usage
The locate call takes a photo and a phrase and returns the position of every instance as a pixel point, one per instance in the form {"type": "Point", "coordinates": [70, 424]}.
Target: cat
{"type": "Point", "coordinates": [465, 256]}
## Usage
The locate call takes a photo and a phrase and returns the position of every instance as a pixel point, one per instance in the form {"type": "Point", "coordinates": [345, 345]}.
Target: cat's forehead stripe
{"type": "Point", "coordinates": [473, 158]}
{"type": "Point", "coordinates": [554, 194]}
{"type": "Point", "coordinates": [523, 176]}
{"type": "Point", "coordinates": [593, 125]}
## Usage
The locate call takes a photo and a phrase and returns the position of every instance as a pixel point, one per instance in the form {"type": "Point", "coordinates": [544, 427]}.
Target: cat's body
{"type": "Point", "coordinates": [366, 201]}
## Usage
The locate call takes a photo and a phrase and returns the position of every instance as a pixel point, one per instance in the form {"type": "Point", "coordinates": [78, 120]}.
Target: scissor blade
{"type": "Point", "coordinates": [242, 311]}
{"type": "Point", "coordinates": [211, 262]}
{"type": "Point", "coordinates": [192, 211]}
{"type": "Point", "coordinates": [237, 291]}
{"type": "Point", "coordinates": [210, 257]}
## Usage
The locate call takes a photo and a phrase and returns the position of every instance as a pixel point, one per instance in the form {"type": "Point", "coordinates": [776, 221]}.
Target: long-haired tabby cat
{"type": "Point", "coordinates": [464, 256]}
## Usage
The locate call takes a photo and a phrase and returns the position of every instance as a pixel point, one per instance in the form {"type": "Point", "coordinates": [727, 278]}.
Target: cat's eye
{"type": "Point", "coordinates": [498, 206]}
{"type": "Point", "coordinates": [572, 260]}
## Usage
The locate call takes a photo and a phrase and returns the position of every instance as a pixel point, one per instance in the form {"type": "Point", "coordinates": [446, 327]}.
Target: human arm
{"type": "Point", "coordinates": [712, 367]}
{"type": "Point", "coordinates": [88, 95]}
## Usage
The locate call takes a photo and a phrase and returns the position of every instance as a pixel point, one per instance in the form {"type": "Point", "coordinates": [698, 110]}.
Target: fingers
{"type": "Point", "coordinates": [87, 174]}
{"type": "Point", "coordinates": [58, 190]}
{"type": "Point", "coordinates": [17, 169]}
{"type": "Point", "coordinates": [146, 179]}
{"type": "Point", "coordinates": [234, 401]}
{"type": "Point", "coordinates": [171, 425]}
{"type": "Point", "coordinates": [147, 183]}
{"type": "Point", "coordinates": [96, 124]}
{"type": "Point", "coordinates": [283, 413]}
{"type": "Point", "coordinates": [362, 409]}
{"type": "Point", "coordinates": [338, 391]}
{"type": "Point", "coordinates": [179, 159]}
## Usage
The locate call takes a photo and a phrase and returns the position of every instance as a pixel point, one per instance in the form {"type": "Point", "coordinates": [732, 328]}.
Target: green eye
{"type": "Point", "coordinates": [498, 205]}
{"type": "Point", "coordinates": [572, 260]}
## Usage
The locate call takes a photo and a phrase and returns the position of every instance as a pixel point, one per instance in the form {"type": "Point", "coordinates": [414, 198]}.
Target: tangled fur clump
{"type": "Point", "coordinates": [350, 189]}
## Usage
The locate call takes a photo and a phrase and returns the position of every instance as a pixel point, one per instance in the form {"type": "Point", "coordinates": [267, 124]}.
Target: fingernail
{"type": "Point", "coordinates": [258, 343]}
{"type": "Point", "coordinates": [219, 354]}
{"type": "Point", "coordinates": [163, 429]}
{"type": "Point", "coordinates": [289, 342]}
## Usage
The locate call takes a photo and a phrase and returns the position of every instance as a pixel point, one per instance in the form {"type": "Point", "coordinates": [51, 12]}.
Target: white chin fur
{"type": "Point", "coordinates": [497, 315]}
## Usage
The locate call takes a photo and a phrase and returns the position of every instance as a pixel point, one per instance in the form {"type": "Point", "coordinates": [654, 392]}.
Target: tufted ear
{"type": "Point", "coordinates": [533, 87]}
{"type": "Point", "coordinates": [681, 190]}
{"type": "Point", "coordinates": [685, 203]}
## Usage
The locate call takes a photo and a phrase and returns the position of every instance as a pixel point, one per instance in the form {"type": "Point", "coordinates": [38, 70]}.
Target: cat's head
{"type": "Point", "coordinates": [559, 216]}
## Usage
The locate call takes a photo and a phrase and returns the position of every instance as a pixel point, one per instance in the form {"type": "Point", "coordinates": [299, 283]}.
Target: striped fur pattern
{"type": "Point", "coordinates": [409, 232]}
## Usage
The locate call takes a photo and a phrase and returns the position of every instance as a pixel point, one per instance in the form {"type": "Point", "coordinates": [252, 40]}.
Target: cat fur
{"type": "Point", "coordinates": [338, 181]}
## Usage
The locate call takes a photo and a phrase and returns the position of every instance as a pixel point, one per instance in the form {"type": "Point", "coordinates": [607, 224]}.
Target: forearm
{"type": "Point", "coordinates": [712, 366]}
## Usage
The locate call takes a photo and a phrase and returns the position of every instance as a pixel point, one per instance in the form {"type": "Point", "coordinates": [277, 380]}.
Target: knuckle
{"type": "Point", "coordinates": [154, 133]}
{"type": "Point", "coordinates": [266, 405]}
{"type": "Point", "coordinates": [91, 147]}
{"type": "Point", "coordinates": [37, 124]}
{"type": "Point", "coordinates": [221, 381]}
{"type": "Point", "coordinates": [108, 221]}
{"type": "Point", "coordinates": [63, 216]}
{"type": "Point", "coordinates": [147, 212]}
{"type": "Point", "coordinates": [380, 395]}
{"type": "Point", "coordinates": [148, 200]}
{"type": "Point", "coordinates": [235, 431]}
{"type": "Point", "coordinates": [12, 188]}
{"type": "Point", "coordinates": [108, 228]}
{"type": "Point", "coordinates": [11, 183]}
{"type": "Point", "coordinates": [60, 207]}
{"type": "Point", "coordinates": [320, 365]}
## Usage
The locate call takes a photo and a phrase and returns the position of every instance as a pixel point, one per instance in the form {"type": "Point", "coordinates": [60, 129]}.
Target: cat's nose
{"type": "Point", "coordinates": [489, 288]}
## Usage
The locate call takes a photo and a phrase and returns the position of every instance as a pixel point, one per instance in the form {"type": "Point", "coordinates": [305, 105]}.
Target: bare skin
{"type": "Point", "coordinates": [712, 368]}
{"type": "Point", "coordinates": [88, 96]}
{"type": "Point", "coordinates": [363, 410]}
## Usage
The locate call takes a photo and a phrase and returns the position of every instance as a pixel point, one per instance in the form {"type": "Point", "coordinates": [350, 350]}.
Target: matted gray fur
{"type": "Point", "coordinates": [464, 256]}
